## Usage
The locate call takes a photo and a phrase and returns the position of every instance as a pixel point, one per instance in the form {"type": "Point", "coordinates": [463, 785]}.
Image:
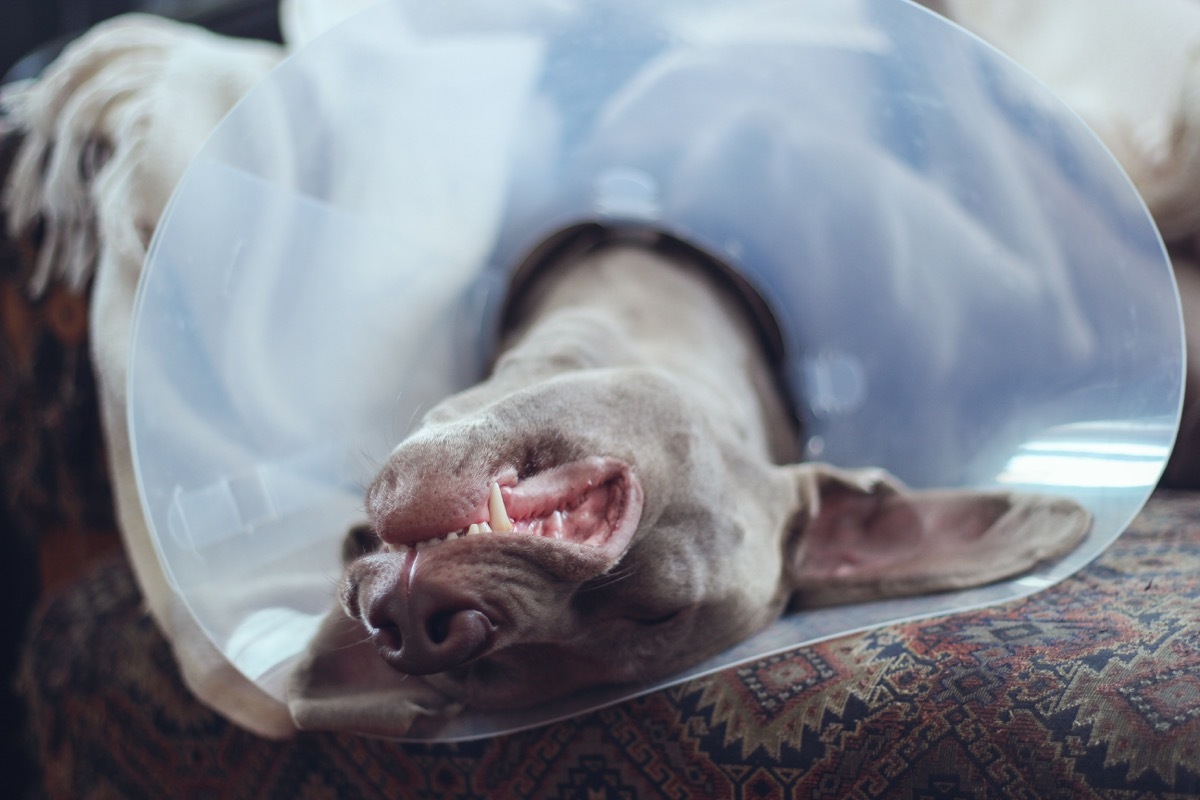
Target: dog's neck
{"type": "Point", "coordinates": [623, 305]}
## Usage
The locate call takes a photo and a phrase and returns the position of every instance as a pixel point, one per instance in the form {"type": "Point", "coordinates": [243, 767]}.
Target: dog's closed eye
{"type": "Point", "coordinates": [650, 617]}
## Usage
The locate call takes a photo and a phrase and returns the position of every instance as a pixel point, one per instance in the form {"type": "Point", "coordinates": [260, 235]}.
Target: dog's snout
{"type": "Point", "coordinates": [421, 493]}
{"type": "Point", "coordinates": [428, 634]}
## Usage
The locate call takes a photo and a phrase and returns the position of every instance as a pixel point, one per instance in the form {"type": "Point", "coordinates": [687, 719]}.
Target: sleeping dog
{"type": "Point", "coordinates": [617, 501]}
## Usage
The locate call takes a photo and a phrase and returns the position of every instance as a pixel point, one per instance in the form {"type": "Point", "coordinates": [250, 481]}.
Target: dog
{"type": "Point", "coordinates": [632, 410]}
{"type": "Point", "coordinates": [620, 500]}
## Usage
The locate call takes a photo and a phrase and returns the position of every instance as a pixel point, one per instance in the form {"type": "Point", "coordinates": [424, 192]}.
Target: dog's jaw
{"type": "Point", "coordinates": [595, 501]}
{"type": "Point", "coordinates": [438, 603]}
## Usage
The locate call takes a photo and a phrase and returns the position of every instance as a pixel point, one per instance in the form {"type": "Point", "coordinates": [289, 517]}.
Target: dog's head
{"type": "Point", "coordinates": [582, 518]}
{"type": "Point", "coordinates": [636, 542]}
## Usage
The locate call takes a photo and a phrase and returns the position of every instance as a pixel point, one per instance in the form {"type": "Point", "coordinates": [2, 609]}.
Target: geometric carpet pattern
{"type": "Point", "coordinates": [1088, 689]}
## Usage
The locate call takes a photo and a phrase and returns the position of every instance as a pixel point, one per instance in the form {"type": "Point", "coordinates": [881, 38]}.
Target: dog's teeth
{"type": "Point", "coordinates": [556, 524]}
{"type": "Point", "coordinates": [473, 529]}
{"type": "Point", "coordinates": [499, 514]}
{"type": "Point", "coordinates": [451, 536]}
{"type": "Point", "coordinates": [485, 528]}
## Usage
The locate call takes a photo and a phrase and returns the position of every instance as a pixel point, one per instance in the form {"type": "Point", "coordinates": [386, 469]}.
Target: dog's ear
{"type": "Point", "coordinates": [343, 685]}
{"type": "Point", "coordinates": [861, 535]}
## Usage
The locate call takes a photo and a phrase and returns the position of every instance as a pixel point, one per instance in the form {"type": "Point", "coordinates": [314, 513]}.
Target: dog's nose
{"type": "Point", "coordinates": [429, 633]}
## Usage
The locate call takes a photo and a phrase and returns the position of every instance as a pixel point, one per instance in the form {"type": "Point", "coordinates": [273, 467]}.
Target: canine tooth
{"type": "Point", "coordinates": [499, 514]}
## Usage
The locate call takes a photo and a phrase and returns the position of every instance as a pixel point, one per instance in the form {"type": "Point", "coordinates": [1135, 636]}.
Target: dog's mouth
{"type": "Point", "coordinates": [595, 502]}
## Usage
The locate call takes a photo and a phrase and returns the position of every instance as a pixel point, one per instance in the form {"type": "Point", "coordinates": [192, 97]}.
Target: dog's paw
{"type": "Point", "coordinates": [107, 131]}
{"type": "Point", "coordinates": [71, 120]}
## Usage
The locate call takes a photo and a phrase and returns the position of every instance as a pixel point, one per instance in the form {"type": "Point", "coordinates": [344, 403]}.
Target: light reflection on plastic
{"type": "Point", "coordinates": [1088, 456]}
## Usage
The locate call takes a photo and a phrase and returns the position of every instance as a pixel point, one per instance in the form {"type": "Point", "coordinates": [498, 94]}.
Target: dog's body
{"type": "Point", "coordinates": [632, 410]}
{"type": "Point", "coordinates": [649, 515]}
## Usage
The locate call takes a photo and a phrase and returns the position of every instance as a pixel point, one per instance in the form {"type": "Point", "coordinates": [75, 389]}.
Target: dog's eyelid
{"type": "Point", "coordinates": [655, 619]}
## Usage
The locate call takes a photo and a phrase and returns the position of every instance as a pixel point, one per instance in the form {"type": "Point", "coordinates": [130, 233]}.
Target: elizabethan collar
{"type": "Point", "coordinates": [964, 287]}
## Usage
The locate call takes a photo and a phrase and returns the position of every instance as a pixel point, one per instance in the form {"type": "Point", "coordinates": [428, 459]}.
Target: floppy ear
{"type": "Point", "coordinates": [861, 535]}
{"type": "Point", "coordinates": [343, 685]}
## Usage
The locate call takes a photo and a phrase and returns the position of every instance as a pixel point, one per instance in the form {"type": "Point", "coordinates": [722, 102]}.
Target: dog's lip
{"type": "Point", "coordinates": [602, 493]}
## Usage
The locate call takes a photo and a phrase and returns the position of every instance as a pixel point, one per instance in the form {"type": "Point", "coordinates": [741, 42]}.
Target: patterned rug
{"type": "Point", "coordinates": [1088, 689]}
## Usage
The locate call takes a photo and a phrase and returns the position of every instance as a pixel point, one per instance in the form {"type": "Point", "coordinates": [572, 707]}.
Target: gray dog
{"type": "Point", "coordinates": [618, 501]}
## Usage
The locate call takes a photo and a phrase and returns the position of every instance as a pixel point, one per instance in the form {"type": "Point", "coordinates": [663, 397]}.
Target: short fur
{"type": "Point", "coordinates": [633, 363]}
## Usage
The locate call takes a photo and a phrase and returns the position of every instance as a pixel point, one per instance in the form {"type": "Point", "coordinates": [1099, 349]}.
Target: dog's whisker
{"type": "Point", "coordinates": [417, 411]}
{"type": "Point", "coordinates": [608, 580]}
{"type": "Point", "coordinates": [351, 645]}
{"type": "Point", "coordinates": [371, 461]}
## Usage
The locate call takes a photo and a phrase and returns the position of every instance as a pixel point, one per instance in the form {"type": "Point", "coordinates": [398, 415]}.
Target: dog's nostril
{"type": "Point", "coordinates": [437, 628]}
{"type": "Point", "coordinates": [349, 597]}
{"type": "Point", "coordinates": [389, 637]}
{"type": "Point", "coordinates": [435, 642]}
